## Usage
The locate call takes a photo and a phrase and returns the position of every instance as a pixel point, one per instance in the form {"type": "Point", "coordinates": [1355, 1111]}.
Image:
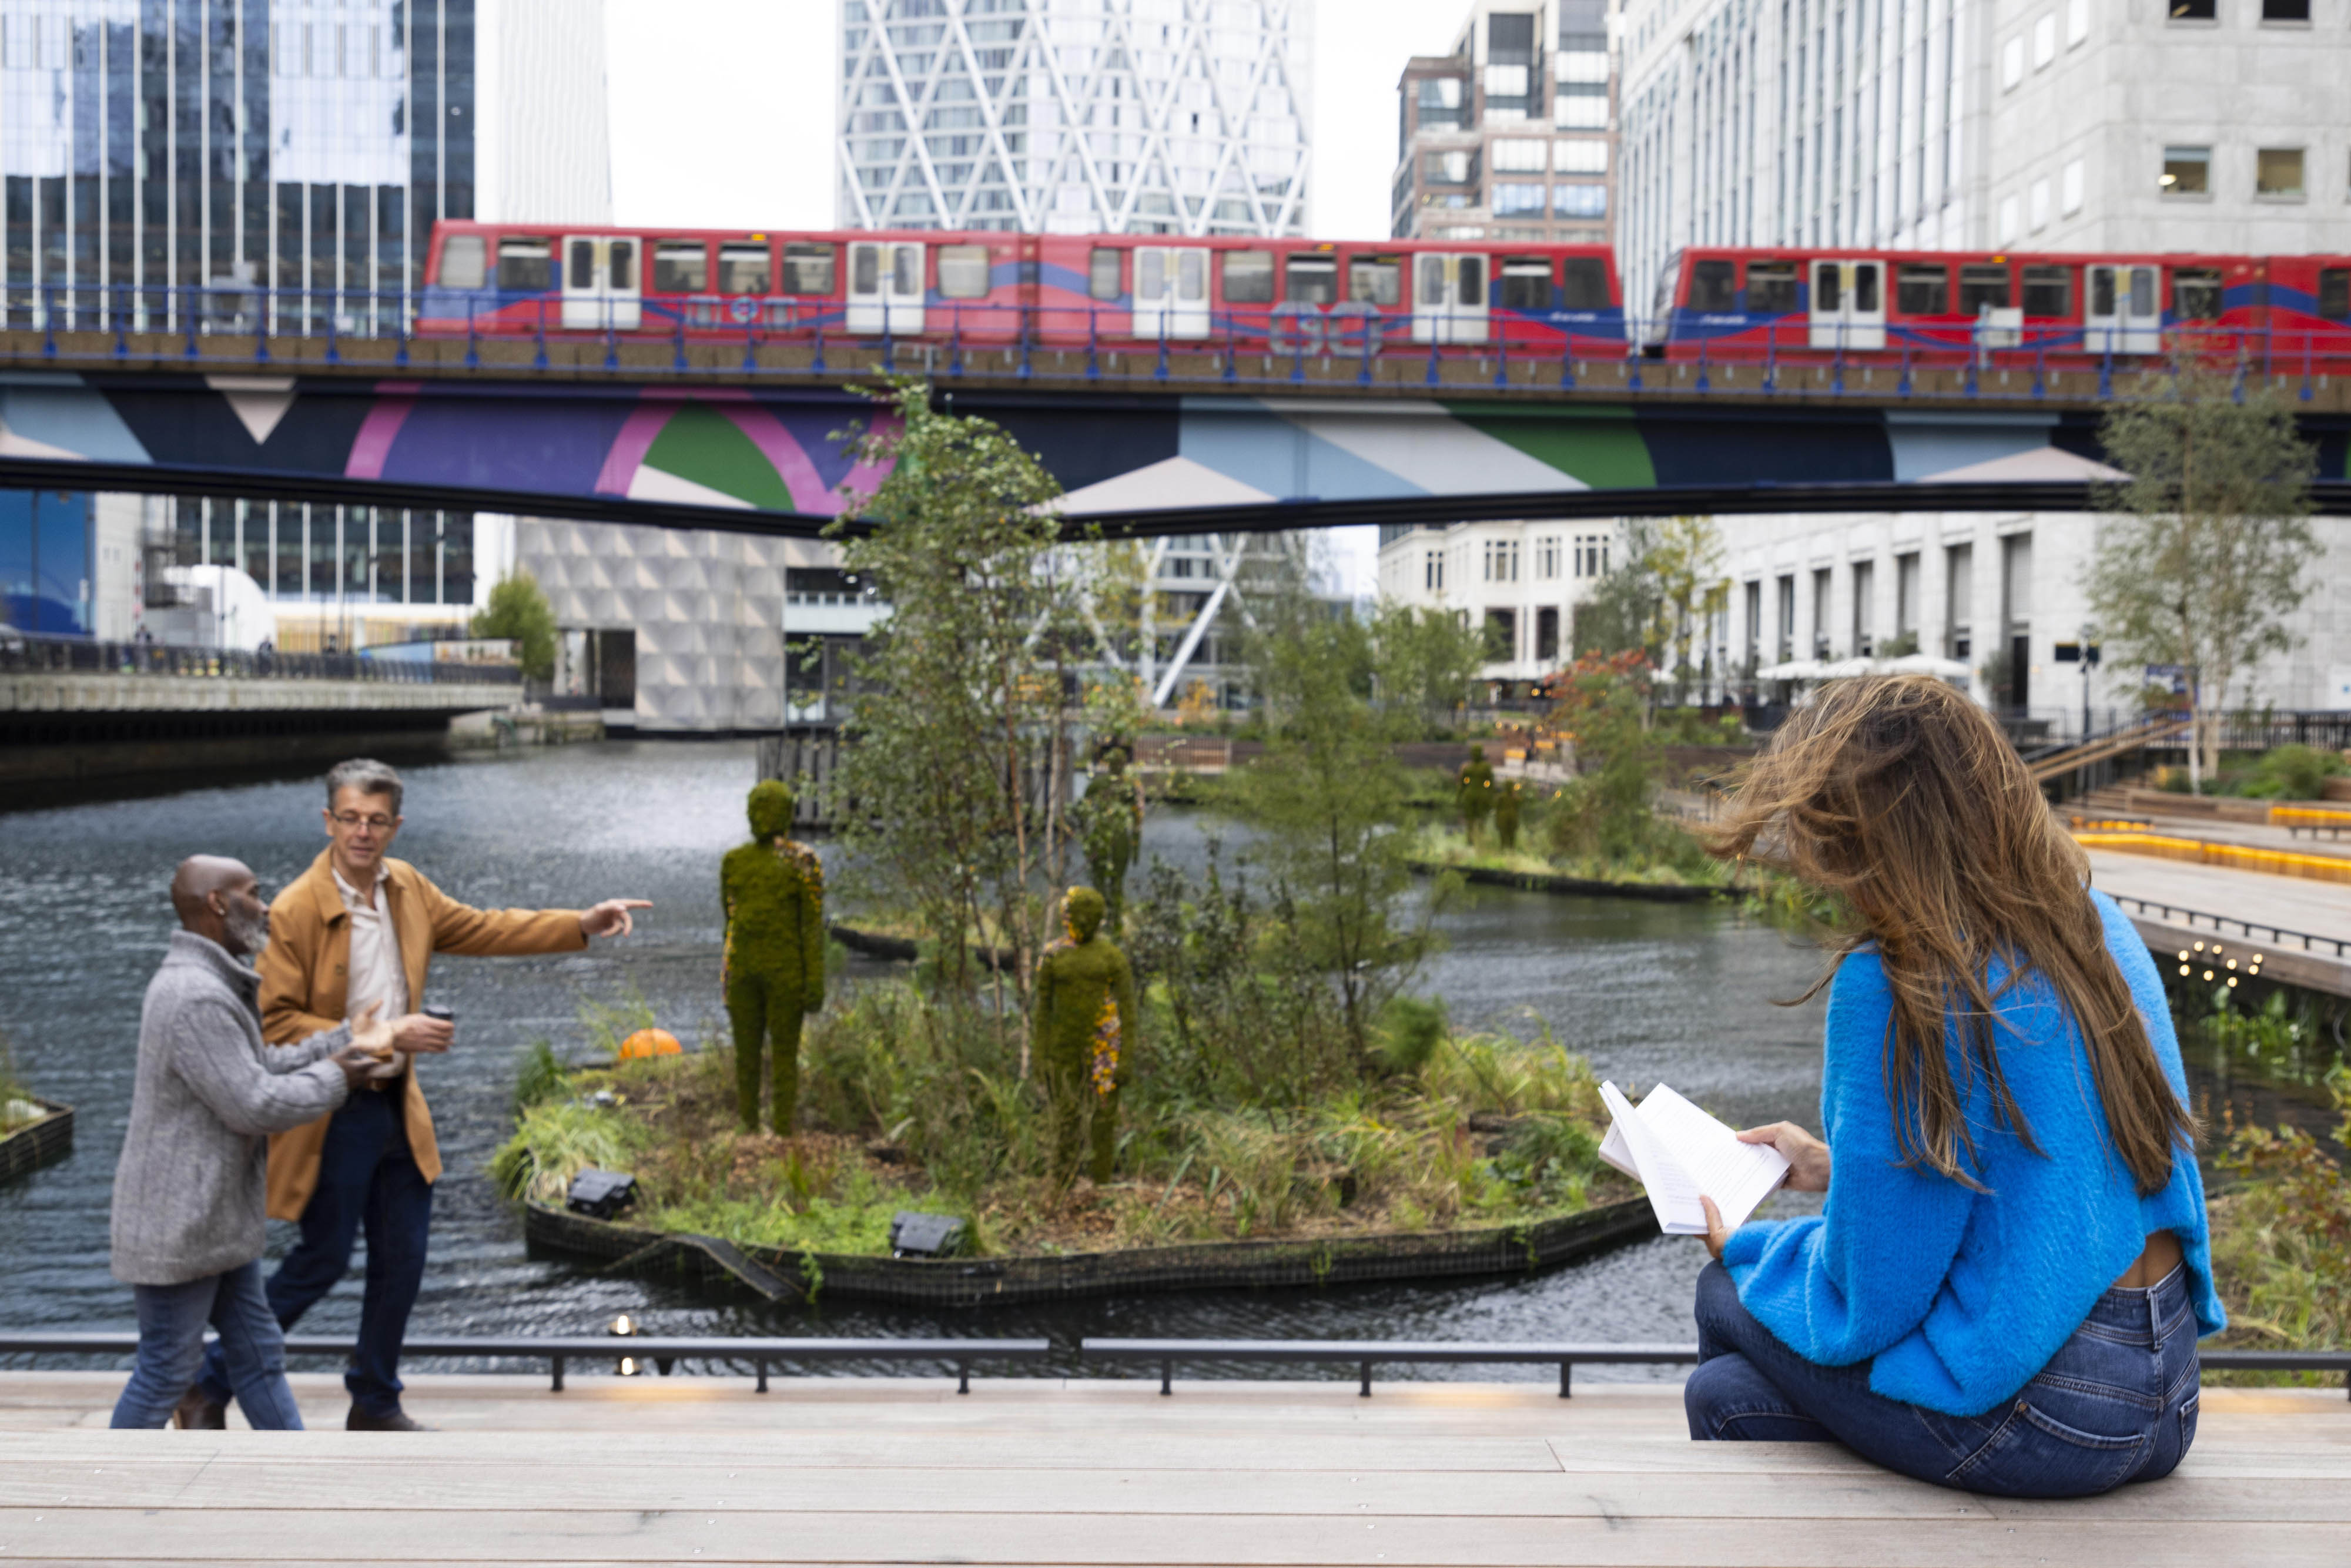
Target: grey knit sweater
{"type": "Point", "coordinates": [188, 1192]}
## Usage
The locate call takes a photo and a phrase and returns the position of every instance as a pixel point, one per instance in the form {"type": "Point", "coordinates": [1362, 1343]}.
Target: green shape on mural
{"type": "Point", "coordinates": [1601, 446]}
{"type": "Point", "coordinates": [703, 445]}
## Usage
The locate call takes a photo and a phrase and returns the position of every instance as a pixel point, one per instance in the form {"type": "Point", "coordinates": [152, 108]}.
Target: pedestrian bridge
{"type": "Point", "coordinates": [1160, 439]}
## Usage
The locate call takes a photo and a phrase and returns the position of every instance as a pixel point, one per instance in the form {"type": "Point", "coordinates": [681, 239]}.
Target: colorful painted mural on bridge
{"type": "Point", "coordinates": [788, 452]}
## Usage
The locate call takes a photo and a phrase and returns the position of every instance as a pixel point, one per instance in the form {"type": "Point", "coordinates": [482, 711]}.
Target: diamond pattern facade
{"type": "Point", "coordinates": [1076, 116]}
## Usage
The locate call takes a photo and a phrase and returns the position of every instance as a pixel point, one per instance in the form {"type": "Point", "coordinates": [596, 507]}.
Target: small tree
{"type": "Point", "coordinates": [1685, 559]}
{"type": "Point", "coordinates": [1423, 667]}
{"type": "Point", "coordinates": [1327, 799]}
{"type": "Point", "coordinates": [518, 609]}
{"type": "Point", "coordinates": [2208, 545]}
{"type": "Point", "coordinates": [961, 751]}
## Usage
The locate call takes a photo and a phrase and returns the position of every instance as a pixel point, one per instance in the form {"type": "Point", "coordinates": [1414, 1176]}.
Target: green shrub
{"type": "Point", "coordinates": [555, 1140]}
{"type": "Point", "coordinates": [538, 1077]}
{"type": "Point", "coordinates": [2293, 773]}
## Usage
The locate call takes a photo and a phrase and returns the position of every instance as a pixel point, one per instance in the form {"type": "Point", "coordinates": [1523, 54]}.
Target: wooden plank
{"type": "Point", "coordinates": [438, 1486]}
{"type": "Point", "coordinates": [367, 1534]}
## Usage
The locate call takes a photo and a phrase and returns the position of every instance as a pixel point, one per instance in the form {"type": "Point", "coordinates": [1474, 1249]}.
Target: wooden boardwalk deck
{"type": "Point", "coordinates": [698, 1471]}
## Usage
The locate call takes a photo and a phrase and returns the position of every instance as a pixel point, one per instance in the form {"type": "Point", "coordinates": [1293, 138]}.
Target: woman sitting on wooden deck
{"type": "Point", "coordinates": [2005, 1289]}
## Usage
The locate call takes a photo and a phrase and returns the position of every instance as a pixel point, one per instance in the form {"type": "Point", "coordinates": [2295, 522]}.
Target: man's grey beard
{"type": "Point", "coordinates": [249, 935]}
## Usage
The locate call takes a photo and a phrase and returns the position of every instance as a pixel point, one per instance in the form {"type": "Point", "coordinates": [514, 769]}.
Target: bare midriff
{"type": "Point", "coordinates": [2159, 1258]}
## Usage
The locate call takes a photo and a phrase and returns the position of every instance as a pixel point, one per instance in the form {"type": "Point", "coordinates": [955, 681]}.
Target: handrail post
{"type": "Point", "coordinates": [558, 1369]}
{"type": "Point", "coordinates": [762, 1365]}
{"type": "Point", "coordinates": [963, 1377]}
{"type": "Point", "coordinates": [1565, 1369]}
{"type": "Point", "coordinates": [1363, 1388]}
{"type": "Point", "coordinates": [1167, 1377]}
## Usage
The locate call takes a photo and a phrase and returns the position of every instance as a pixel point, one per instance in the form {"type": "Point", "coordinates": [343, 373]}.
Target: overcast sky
{"type": "Point", "coordinates": [722, 118]}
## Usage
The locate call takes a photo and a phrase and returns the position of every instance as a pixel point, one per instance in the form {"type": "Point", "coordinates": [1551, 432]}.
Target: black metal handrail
{"type": "Point", "coordinates": [2220, 923]}
{"type": "Point", "coordinates": [561, 1350]}
{"type": "Point", "coordinates": [1368, 1354]}
{"type": "Point", "coordinates": [35, 653]}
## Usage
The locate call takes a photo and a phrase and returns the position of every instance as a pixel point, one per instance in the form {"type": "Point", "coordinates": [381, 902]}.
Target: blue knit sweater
{"type": "Point", "coordinates": [1956, 1298]}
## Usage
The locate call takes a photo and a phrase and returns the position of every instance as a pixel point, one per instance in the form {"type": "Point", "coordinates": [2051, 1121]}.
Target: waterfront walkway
{"type": "Point", "coordinates": [701, 1470]}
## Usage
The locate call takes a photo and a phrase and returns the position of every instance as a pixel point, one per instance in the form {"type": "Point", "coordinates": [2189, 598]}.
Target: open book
{"type": "Point", "coordinates": [1678, 1152]}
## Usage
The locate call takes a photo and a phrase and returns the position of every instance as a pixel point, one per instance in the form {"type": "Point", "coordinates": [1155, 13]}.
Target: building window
{"type": "Point", "coordinates": [1517, 155]}
{"type": "Point", "coordinates": [1584, 65]}
{"type": "Point", "coordinates": [1501, 635]}
{"type": "Point", "coordinates": [1822, 581]}
{"type": "Point", "coordinates": [2194, 10]}
{"type": "Point", "coordinates": [1582, 106]}
{"type": "Point", "coordinates": [1547, 557]}
{"type": "Point", "coordinates": [2044, 41]}
{"type": "Point", "coordinates": [2277, 171]}
{"type": "Point", "coordinates": [1516, 200]}
{"type": "Point", "coordinates": [1865, 609]}
{"type": "Point", "coordinates": [1787, 618]}
{"type": "Point", "coordinates": [1458, 168]}
{"type": "Point", "coordinates": [1432, 571]}
{"type": "Point", "coordinates": [2010, 216]}
{"type": "Point", "coordinates": [2039, 204]}
{"type": "Point", "coordinates": [1580, 200]}
{"type": "Point", "coordinates": [1906, 594]}
{"type": "Point", "coordinates": [2186, 171]}
{"type": "Point", "coordinates": [1579, 157]}
{"type": "Point", "coordinates": [1958, 597]}
{"type": "Point", "coordinates": [1506, 81]}
{"type": "Point", "coordinates": [2285, 10]}
{"type": "Point", "coordinates": [2012, 63]}
{"type": "Point", "coordinates": [1501, 560]}
{"type": "Point", "coordinates": [2069, 200]}
{"type": "Point", "coordinates": [2077, 22]}
{"type": "Point", "coordinates": [1547, 634]}
{"type": "Point", "coordinates": [1591, 555]}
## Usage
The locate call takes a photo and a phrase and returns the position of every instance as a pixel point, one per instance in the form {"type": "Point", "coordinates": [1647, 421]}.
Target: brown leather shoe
{"type": "Point", "coordinates": [360, 1420]}
{"type": "Point", "coordinates": [194, 1412]}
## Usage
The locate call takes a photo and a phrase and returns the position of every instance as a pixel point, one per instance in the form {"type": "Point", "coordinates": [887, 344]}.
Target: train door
{"type": "Point", "coordinates": [601, 285]}
{"type": "Point", "coordinates": [1171, 291]}
{"type": "Point", "coordinates": [2123, 313]}
{"type": "Point", "coordinates": [1448, 298]}
{"type": "Point", "coordinates": [1848, 305]}
{"type": "Point", "coordinates": [886, 288]}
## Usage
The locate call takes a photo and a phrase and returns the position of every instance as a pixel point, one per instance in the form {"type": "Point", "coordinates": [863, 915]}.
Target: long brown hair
{"type": "Point", "coordinates": [1901, 795]}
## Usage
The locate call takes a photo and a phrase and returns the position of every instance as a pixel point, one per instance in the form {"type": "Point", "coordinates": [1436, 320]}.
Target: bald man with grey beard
{"type": "Point", "coordinates": [187, 1220]}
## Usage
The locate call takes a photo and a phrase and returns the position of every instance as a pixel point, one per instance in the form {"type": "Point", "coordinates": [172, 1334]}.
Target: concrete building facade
{"type": "Point", "coordinates": [1520, 582]}
{"type": "Point", "coordinates": [2119, 125]}
{"type": "Point", "coordinates": [1511, 135]}
{"type": "Point", "coordinates": [1188, 117]}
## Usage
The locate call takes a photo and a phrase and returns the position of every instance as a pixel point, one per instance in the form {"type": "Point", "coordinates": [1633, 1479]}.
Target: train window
{"type": "Point", "coordinates": [1828, 290]}
{"type": "Point", "coordinates": [526, 265]}
{"type": "Point", "coordinates": [1375, 280]}
{"type": "Point", "coordinates": [1101, 273]}
{"type": "Point", "coordinates": [1770, 288]}
{"type": "Point", "coordinates": [464, 261]}
{"type": "Point", "coordinates": [1981, 287]}
{"type": "Point", "coordinates": [1526, 283]}
{"type": "Point", "coordinates": [742, 269]}
{"type": "Point", "coordinates": [680, 266]}
{"type": "Point", "coordinates": [582, 266]}
{"type": "Point", "coordinates": [1865, 288]}
{"type": "Point", "coordinates": [1922, 291]}
{"type": "Point", "coordinates": [2049, 292]}
{"type": "Point", "coordinates": [1431, 269]}
{"type": "Point", "coordinates": [2334, 293]}
{"type": "Point", "coordinates": [1191, 276]}
{"type": "Point", "coordinates": [808, 269]}
{"type": "Point", "coordinates": [1714, 287]}
{"type": "Point", "coordinates": [1313, 280]}
{"type": "Point", "coordinates": [621, 264]}
{"type": "Point", "coordinates": [2196, 293]}
{"type": "Point", "coordinates": [1470, 282]}
{"type": "Point", "coordinates": [963, 271]}
{"type": "Point", "coordinates": [1584, 284]}
{"type": "Point", "coordinates": [1249, 278]}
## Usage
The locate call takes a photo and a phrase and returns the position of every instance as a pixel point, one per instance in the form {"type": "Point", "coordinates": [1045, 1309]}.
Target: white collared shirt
{"type": "Point", "coordinates": [375, 974]}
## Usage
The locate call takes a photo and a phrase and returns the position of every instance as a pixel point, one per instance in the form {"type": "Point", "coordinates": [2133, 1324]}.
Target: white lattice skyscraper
{"type": "Point", "coordinates": [1076, 116]}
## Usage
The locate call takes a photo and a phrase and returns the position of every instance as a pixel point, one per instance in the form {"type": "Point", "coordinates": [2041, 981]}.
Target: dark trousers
{"type": "Point", "coordinates": [366, 1178]}
{"type": "Point", "coordinates": [2116, 1403]}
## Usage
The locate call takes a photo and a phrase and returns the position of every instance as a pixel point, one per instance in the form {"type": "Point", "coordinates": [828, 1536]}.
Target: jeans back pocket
{"type": "Point", "coordinates": [2188, 1423]}
{"type": "Point", "coordinates": [2032, 1453]}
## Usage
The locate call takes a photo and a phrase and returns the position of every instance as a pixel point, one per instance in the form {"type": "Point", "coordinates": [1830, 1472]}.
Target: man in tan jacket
{"type": "Point", "coordinates": [360, 927]}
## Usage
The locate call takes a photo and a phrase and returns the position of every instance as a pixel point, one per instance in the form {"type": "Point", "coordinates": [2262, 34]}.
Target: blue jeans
{"type": "Point", "coordinates": [171, 1319]}
{"type": "Point", "coordinates": [2116, 1403]}
{"type": "Point", "coordinates": [367, 1177]}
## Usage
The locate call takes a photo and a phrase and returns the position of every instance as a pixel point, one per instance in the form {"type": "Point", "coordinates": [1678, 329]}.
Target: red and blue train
{"type": "Point", "coordinates": [1798, 304]}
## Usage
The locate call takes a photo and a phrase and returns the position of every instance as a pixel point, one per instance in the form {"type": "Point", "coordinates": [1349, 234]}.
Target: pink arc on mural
{"type": "Point", "coordinates": [372, 449]}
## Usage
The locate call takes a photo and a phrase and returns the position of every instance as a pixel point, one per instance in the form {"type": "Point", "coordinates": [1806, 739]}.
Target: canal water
{"type": "Point", "coordinates": [1681, 994]}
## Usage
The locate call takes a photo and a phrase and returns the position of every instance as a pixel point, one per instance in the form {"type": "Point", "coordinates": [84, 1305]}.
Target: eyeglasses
{"type": "Point", "coordinates": [353, 819]}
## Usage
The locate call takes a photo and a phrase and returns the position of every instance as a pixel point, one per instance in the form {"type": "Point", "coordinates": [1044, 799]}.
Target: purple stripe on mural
{"type": "Point", "coordinates": [373, 445]}
{"type": "Point", "coordinates": [638, 434]}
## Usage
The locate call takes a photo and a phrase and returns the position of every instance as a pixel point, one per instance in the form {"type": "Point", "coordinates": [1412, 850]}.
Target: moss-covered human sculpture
{"type": "Point", "coordinates": [773, 892]}
{"type": "Point", "coordinates": [1506, 815]}
{"type": "Point", "coordinates": [1473, 795]}
{"type": "Point", "coordinates": [1109, 820]}
{"type": "Point", "coordinates": [1084, 1036]}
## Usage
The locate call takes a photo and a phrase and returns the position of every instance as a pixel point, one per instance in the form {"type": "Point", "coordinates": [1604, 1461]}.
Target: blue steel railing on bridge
{"type": "Point", "coordinates": [216, 326]}
{"type": "Point", "coordinates": [24, 653]}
